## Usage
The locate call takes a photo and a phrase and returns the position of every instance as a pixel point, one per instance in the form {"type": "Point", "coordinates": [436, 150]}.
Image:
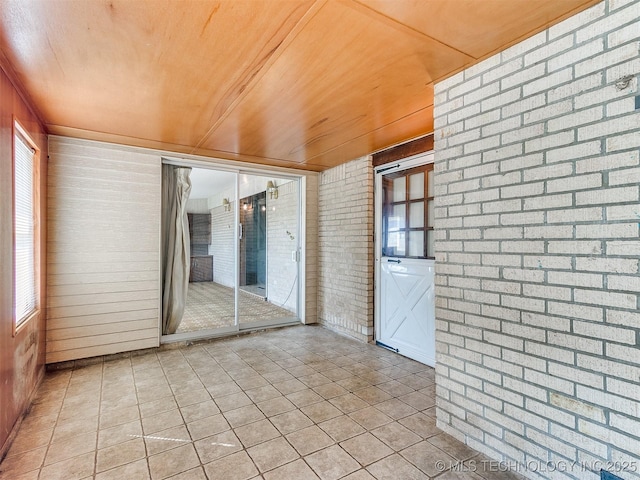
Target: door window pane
{"type": "Point", "coordinates": [430, 183]}
{"type": "Point", "coordinates": [399, 189]}
{"type": "Point", "coordinates": [395, 244]}
{"type": "Point", "coordinates": [398, 219]}
{"type": "Point", "coordinates": [430, 213]}
{"type": "Point", "coordinates": [416, 215]}
{"type": "Point", "coordinates": [416, 186]}
{"type": "Point", "coordinates": [416, 243]}
{"type": "Point", "coordinates": [407, 212]}
{"type": "Point", "coordinates": [211, 212]}
{"type": "Point", "coordinates": [268, 260]}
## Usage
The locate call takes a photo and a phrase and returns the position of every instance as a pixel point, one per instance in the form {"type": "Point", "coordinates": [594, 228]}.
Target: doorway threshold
{"type": "Point", "coordinates": [226, 332]}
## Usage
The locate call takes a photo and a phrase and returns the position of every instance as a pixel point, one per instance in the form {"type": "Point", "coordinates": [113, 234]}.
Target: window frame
{"type": "Point", "coordinates": [19, 131]}
{"type": "Point", "coordinates": [388, 204]}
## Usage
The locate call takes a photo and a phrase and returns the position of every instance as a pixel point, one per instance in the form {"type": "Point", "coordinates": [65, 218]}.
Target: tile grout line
{"type": "Point", "coordinates": [239, 360]}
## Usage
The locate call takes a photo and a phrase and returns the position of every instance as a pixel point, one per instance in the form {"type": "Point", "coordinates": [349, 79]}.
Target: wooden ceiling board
{"type": "Point", "coordinates": [475, 27]}
{"type": "Point", "coordinates": [169, 148]}
{"type": "Point", "coordinates": [326, 89]}
{"type": "Point", "coordinates": [155, 70]}
{"type": "Point", "coordinates": [275, 162]}
{"type": "Point", "coordinates": [412, 126]}
{"type": "Point", "coordinates": [303, 83]}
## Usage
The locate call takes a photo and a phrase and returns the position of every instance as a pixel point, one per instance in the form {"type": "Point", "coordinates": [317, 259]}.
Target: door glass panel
{"type": "Point", "coordinates": [430, 183]}
{"type": "Point", "coordinates": [253, 243]}
{"type": "Point", "coordinates": [416, 215]}
{"type": "Point", "coordinates": [430, 213]}
{"type": "Point", "coordinates": [416, 186]}
{"type": "Point", "coordinates": [405, 222]}
{"type": "Point", "coordinates": [399, 190]}
{"type": "Point", "coordinates": [211, 210]}
{"type": "Point", "coordinates": [416, 243]}
{"type": "Point", "coordinates": [268, 258]}
{"type": "Point", "coordinates": [430, 243]}
{"type": "Point", "coordinates": [398, 219]}
{"type": "Point", "coordinates": [395, 244]}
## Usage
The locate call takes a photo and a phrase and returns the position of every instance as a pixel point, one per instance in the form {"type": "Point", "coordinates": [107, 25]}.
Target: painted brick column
{"type": "Point", "coordinates": [538, 211]}
{"type": "Point", "coordinates": [345, 249]}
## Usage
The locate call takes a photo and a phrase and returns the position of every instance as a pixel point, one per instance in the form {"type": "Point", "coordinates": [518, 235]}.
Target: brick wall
{"type": "Point", "coordinates": [345, 249]}
{"type": "Point", "coordinates": [310, 236]}
{"type": "Point", "coordinates": [538, 208]}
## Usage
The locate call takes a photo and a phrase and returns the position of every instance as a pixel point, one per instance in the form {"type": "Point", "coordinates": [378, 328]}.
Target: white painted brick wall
{"type": "Point", "coordinates": [311, 253]}
{"type": "Point", "coordinates": [538, 246]}
{"type": "Point", "coordinates": [345, 249]}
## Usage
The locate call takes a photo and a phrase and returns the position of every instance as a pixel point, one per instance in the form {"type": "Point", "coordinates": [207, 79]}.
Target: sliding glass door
{"type": "Point", "coordinates": [268, 261]}
{"type": "Point", "coordinates": [245, 251]}
{"type": "Point", "coordinates": [212, 212]}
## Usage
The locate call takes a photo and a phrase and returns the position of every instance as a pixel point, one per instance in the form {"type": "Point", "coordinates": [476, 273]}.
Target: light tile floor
{"type": "Point", "coordinates": [211, 305]}
{"type": "Point", "coordinates": [288, 404]}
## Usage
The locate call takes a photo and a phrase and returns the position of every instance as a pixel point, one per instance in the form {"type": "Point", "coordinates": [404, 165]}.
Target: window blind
{"type": "Point", "coordinates": [24, 225]}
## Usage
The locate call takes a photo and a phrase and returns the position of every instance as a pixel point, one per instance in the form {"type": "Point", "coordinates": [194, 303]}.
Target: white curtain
{"type": "Point", "coordinates": [176, 251]}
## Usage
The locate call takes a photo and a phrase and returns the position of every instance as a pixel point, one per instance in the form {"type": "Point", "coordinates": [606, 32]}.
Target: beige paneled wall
{"type": "Point", "coordinates": [103, 249]}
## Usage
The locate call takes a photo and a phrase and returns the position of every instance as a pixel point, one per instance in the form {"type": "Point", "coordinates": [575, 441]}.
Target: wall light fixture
{"type": "Point", "coordinates": [272, 190]}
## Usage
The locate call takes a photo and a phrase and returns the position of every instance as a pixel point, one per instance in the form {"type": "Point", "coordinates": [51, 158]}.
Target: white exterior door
{"type": "Point", "coordinates": [405, 265]}
{"type": "Point", "coordinates": [407, 316]}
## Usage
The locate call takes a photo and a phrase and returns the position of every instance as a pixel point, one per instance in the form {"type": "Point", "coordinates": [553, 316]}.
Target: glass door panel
{"type": "Point", "coordinates": [431, 213]}
{"type": "Point", "coordinates": [268, 258]}
{"type": "Point", "coordinates": [210, 306]}
{"type": "Point", "coordinates": [407, 226]}
{"type": "Point", "coordinates": [416, 214]}
{"type": "Point", "coordinates": [416, 182]}
{"type": "Point", "coordinates": [416, 243]}
{"type": "Point", "coordinates": [399, 189]}
{"type": "Point", "coordinates": [398, 220]}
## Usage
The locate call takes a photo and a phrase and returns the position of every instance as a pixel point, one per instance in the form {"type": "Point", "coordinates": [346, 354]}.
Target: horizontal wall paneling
{"type": "Point", "coordinates": [104, 253]}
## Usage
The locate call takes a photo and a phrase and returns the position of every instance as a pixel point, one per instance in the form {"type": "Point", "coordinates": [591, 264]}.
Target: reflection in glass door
{"type": "Point", "coordinates": [245, 254]}
{"type": "Point", "coordinates": [210, 308]}
{"type": "Point", "coordinates": [269, 251]}
{"type": "Point", "coordinates": [253, 244]}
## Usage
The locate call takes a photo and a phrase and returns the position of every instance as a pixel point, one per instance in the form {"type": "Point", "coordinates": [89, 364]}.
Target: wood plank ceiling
{"type": "Point", "coordinates": [300, 83]}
